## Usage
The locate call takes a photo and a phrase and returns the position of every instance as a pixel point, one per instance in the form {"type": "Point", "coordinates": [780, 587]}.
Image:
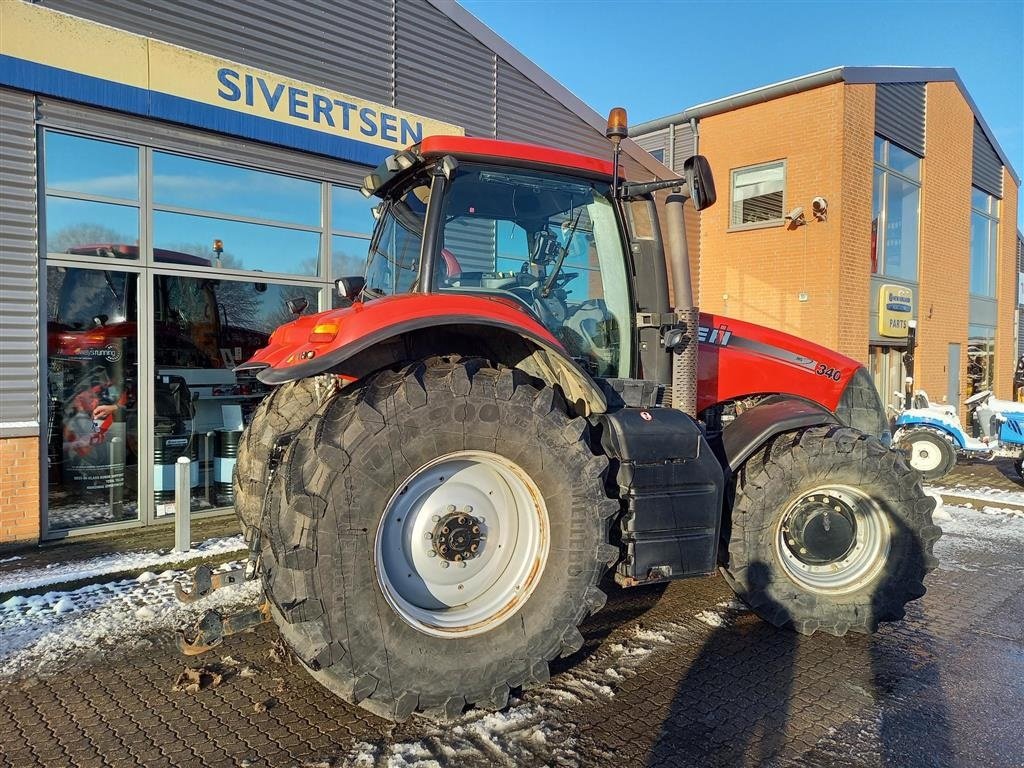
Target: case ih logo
{"type": "Point", "coordinates": [719, 335]}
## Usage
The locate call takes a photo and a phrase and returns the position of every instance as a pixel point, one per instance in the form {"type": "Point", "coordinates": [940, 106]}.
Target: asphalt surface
{"type": "Point", "coordinates": [678, 676]}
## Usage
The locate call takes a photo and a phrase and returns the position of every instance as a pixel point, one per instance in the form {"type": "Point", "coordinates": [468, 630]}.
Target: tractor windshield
{"type": "Point", "coordinates": [549, 242]}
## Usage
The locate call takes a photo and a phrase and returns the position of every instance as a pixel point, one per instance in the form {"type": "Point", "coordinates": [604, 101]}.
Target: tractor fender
{"type": "Point", "coordinates": [374, 335]}
{"type": "Point", "coordinates": [772, 416]}
{"type": "Point", "coordinates": [931, 425]}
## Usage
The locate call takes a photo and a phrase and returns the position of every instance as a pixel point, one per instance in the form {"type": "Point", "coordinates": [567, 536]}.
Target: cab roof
{"type": "Point", "coordinates": [513, 153]}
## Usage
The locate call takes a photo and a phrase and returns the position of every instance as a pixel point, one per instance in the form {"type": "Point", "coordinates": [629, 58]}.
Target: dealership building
{"type": "Point", "coordinates": [177, 180]}
{"type": "Point", "coordinates": [851, 201]}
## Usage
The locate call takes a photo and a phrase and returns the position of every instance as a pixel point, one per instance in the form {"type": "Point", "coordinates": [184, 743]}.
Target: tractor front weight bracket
{"type": "Point", "coordinates": [212, 628]}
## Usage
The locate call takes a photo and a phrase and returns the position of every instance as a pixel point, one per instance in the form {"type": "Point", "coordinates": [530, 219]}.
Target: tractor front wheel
{"type": "Point", "coordinates": [435, 537]}
{"type": "Point", "coordinates": [830, 530]}
{"type": "Point", "coordinates": [929, 453]}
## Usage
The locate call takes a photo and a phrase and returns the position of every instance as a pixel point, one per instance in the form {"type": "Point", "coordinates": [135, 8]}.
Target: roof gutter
{"type": "Point", "coordinates": [745, 99]}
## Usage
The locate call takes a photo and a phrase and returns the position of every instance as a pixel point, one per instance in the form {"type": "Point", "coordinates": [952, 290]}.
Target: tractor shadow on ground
{"type": "Point", "coordinates": [624, 606]}
{"type": "Point", "coordinates": [732, 706]}
{"type": "Point", "coordinates": [756, 695]}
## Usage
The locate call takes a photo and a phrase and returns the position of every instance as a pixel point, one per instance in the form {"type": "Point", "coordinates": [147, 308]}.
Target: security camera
{"type": "Point", "coordinates": [819, 208]}
{"type": "Point", "coordinates": [796, 214]}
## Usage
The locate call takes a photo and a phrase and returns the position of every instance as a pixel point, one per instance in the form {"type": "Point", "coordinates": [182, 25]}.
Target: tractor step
{"type": "Point", "coordinates": [213, 627]}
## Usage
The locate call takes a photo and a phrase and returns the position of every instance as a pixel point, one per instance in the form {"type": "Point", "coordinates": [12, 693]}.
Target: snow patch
{"type": "Point", "coordinates": [55, 573]}
{"type": "Point", "coordinates": [712, 619]}
{"type": "Point", "coordinates": [969, 535]}
{"type": "Point", "coordinates": [45, 634]}
{"type": "Point", "coordinates": [983, 493]}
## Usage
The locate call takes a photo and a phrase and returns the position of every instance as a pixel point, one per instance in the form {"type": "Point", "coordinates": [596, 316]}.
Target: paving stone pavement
{"type": "Point", "coordinates": [676, 676]}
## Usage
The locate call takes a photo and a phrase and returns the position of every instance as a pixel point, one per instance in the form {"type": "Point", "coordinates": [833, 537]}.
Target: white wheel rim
{"type": "Point", "coordinates": [864, 559]}
{"type": "Point", "coordinates": [925, 455]}
{"type": "Point", "coordinates": [447, 597]}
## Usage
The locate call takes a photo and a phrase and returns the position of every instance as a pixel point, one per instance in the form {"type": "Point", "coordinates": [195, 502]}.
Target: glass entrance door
{"type": "Point", "coordinates": [91, 386]}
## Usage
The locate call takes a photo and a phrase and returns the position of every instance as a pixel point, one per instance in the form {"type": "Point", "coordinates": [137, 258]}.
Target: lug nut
{"type": "Point", "coordinates": [435, 519]}
{"type": "Point", "coordinates": [472, 547]}
{"type": "Point", "coordinates": [468, 509]}
{"type": "Point", "coordinates": [450, 508]}
{"type": "Point", "coordinates": [428, 535]}
{"type": "Point", "coordinates": [444, 563]}
{"type": "Point", "coordinates": [463, 564]}
{"type": "Point", "coordinates": [476, 529]}
{"type": "Point", "coordinates": [431, 553]}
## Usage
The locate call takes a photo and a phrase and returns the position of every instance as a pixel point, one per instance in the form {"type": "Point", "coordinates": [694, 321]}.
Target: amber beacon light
{"type": "Point", "coordinates": [617, 125]}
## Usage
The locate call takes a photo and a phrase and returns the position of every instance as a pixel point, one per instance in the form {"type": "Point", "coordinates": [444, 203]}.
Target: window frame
{"type": "Point", "coordinates": [779, 222]}
{"type": "Point", "coordinates": [882, 166]}
{"type": "Point", "coordinates": [148, 270]}
{"type": "Point", "coordinates": [991, 215]}
{"type": "Point", "coordinates": [147, 207]}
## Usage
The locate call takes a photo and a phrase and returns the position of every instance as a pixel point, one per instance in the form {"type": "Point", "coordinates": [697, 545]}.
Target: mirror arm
{"type": "Point", "coordinates": [632, 189]}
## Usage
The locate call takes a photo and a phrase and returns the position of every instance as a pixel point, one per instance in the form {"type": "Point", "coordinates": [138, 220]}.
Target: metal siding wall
{"type": "Point", "coordinates": [654, 141]}
{"type": "Point", "coordinates": [987, 173]}
{"type": "Point", "coordinates": [112, 125]}
{"type": "Point", "coordinates": [19, 267]}
{"type": "Point", "coordinates": [527, 113]}
{"type": "Point", "coordinates": [899, 114]}
{"type": "Point", "coordinates": [683, 146]}
{"type": "Point", "coordinates": [442, 70]}
{"type": "Point", "coordinates": [346, 46]}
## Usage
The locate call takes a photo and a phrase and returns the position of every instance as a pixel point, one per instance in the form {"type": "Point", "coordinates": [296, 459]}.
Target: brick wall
{"type": "Point", "coordinates": [758, 274]}
{"type": "Point", "coordinates": [945, 239]}
{"type": "Point", "coordinates": [852, 210]}
{"type": "Point", "coordinates": [19, 489]}
{"type": "Point", "coordinates": [1006, 290]}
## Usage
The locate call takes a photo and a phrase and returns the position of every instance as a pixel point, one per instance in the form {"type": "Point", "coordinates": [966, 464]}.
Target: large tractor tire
{"type": "Point", "coordinates": [283, 411]}
{"type": "Point", "coordinates": [929, 453]}
{"type": "Point", "coordinates": [437, 538]}
{"type": "Point", "coordinates": [830, 531]}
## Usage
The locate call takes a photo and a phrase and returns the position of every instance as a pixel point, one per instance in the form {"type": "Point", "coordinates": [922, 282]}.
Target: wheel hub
{"type": "Point", "coordinates": [833, 539]}
{"type": "Point", "coordinates": [457, 537]}
{"type": "Point", "coordinates": [820, 529]}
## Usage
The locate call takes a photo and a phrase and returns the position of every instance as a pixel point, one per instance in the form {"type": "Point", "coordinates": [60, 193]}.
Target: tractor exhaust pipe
{"type": "Point", "coordinates": [684, 350]}
{"type": "Point", "coordinates": [697, 185]}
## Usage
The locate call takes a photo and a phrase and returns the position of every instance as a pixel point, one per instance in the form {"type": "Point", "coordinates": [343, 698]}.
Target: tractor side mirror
{"type": "Point", "coordinates": [297, 306]}
{"type": "Point", "coordinates": [700, 182]}
{"type": "Point", "coordinates": [349, 287]}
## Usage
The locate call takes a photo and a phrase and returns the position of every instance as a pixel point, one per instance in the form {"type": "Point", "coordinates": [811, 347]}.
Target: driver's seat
{"type": "Point", "coordinates": [450, 262]}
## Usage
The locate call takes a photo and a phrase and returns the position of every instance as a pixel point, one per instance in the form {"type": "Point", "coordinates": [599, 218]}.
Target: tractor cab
{"type": "Point", "coordinates": [542, 240]}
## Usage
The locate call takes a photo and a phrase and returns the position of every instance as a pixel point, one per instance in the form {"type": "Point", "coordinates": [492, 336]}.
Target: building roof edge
{"type": "Point", "coordinates": [502, 48]}
{"type": "Point", "coordinates": [850, 75]}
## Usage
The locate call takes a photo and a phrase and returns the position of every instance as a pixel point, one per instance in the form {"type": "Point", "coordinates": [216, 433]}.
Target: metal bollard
{"type": "Point", "coordinates": [182, 504]}
{"type": "Point", "coordinates": [117, 470]}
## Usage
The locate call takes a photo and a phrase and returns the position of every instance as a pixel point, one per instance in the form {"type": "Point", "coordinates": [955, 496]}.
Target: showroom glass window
{"type": "Point", "coordinates": [92, 197]}
{"type": "Point", "coordinates": [265, 222]}
{"type": "Point", "coordinates": [757, 195]}
{"type": "Point", "coordinates": [896, 211]}
{"type": "Point", "coordinates": [984, 243]}
{"type": "Point", "coordinates": [981, 356]}
{"type": "Point", "coordinates": [236, 252]}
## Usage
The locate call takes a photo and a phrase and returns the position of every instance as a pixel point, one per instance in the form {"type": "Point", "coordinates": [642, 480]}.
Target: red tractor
{"type": "Point", "coordinates": [510, 406]}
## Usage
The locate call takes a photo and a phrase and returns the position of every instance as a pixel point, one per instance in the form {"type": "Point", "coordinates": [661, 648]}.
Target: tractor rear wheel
{"type": "Point", "coordinates": [830, 531]}
{"type": "Point", "coordinates": [437, 537]}
{"type": "Point", "coordinates": [283, 411]}
{"type": "Point", "coordinates": [929, 453]}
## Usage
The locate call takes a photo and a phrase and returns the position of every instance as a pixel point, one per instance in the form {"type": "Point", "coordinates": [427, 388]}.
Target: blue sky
{"type": "Point", "coordinates": [676, 54]}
